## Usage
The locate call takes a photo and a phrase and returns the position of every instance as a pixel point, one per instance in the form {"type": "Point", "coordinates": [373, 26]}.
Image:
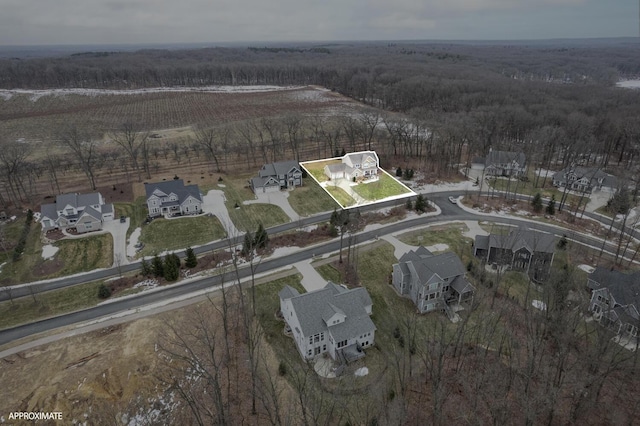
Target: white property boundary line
{"type": "Point", "coordinates": [411, 193]}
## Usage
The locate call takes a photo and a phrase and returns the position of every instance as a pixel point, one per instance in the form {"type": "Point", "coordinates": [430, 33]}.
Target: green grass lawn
{"type": "Point", "coordinates": [310, 199]}
{"type": "Point", "coordinates": [343, 198]}
{"type": "Point", "coordinates": [329, 273]}
{"type": "Point", "coordinates": [85, 254]}
{"type": "Point", "coordinates": [48, 304]}
{"type": "Point", "coordinates": [178, 234]}
{"type": "Point", "coordinates": [136, 212]}
{"type": "Point", "coordinates": [450, 235]}
{"type": "Point", "coordinates": [384, 187]}
{"type": "Point", "coordinates": [527, 188]}
{"type": "Point", "coordinates": [247, 217]}
{"type": "Point", "coordinates": [316, 169]}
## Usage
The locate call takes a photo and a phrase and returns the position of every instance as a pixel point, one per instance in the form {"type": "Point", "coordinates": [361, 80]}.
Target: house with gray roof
{"type": "Point", "coordinates": [276, 176]}
{"type": "Point", "coordinates": [334, 320]}
{"type": "Point", "coordinates": [505, 163]}
{"type": "Point", "coordinates": [615, 299]}
{"type": "Point", "coordinates": [432, 281]}
{"type": "Point", "coordinates": [354, 166]}
{"type": "Point", "coordinates": [173, 198]}
{"type": "Point", "coordinates": [521, 249]}
{"type": "Point", "coordinates": [585, 179]}
{"type": "Point", "coordinates": [84, 212]}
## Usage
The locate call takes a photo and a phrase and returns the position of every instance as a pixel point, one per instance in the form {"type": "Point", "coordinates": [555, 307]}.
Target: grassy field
{"type": "Point", "coordinates": [310, 199]}
{"type": "Point", "coordinates": [527, 188]}
{"type": "Point", "coordinates": [384, 187]}
{"type": "Point", "coordinates": [450, 234]}
{"type": "Point", "coordinates": [329, 273]}
{"type": "Point", "coordinates": [247, 217]}
{"type": "Point", "coordinates": [316, 169]}
{"type": "Point", "coordinates": [85, 254]}
{"type": "Point", "coordinates": [48, 304]}
{"type": "Point", "coordinates": [343, 198]}
{"type": "Point", "coordinates": [178, 234]}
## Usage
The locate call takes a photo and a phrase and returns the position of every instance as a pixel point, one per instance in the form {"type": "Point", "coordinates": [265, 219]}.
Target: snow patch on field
{"type": "Point", "coordinates": [133, 240]}
{"type": "Point", "coordinates": [438, 247]}
{"type": "Point", "coordinates": [49, 251]}
{"type": "Point", "coordinates": [629, 84]}
{"type": "Point", "coordinates": [587, 268]}
{"type": "Point", "coordinates": [545, 172]}
{"type": "Point", "coordinates": [37, 94]}
{"type": "Point", "coordinates": [361, 372]}
{"type": "Point", "coordinates": [285, 251]}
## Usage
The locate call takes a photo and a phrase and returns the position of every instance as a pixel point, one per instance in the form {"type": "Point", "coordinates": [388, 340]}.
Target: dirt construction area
{"type": "Point", "coordinates": [89, 378]}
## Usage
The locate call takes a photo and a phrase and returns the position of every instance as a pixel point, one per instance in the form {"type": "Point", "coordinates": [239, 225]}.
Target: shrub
{"type": "Point", "coordinates": [282, 368]}
{"type": "Point", "coordinates": [104, 292]}
{"type": "Point", "coordinates": [190, 258]}
{"type": "Point", "coordinates": [399, 172]}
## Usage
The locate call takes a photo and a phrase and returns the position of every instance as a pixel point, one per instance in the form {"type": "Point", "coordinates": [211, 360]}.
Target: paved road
{"type": "Point", "coordinates": [449, 212]}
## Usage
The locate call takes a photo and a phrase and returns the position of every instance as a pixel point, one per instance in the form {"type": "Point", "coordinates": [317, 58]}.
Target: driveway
{"type": "Point", "coordinates": [119, 233]}
{"type": "Point", "coordinates": [280, 199]}
{"type": "Point", "coordinates": [215, 203]}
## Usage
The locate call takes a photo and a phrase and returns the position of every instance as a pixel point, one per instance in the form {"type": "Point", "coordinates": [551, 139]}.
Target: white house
{"type": "Point", "coordinates": [357, 165]}
{"type": "Point", "coordinates": [333, 319]}
{"type": "Point", "coordinates": [173, 198]}
{"type": "Point", "coordinates": [85, 212]}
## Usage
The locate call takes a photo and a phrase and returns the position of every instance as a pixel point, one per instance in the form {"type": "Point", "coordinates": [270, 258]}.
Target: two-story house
{"type": "Point", "coordinates": [505, 163]}
{"type": "Point", "coordinates": [173, 198]}
{"type": "Point", "coordinates": [615, 298]}
{"type": "Point", "coordinates": [276, 176]}
{"type": "Point", "coordinates": [355, 166]}
{"type": "Point", "coordinates": [522, 250]}
{"type": "Point", "coordinates": [431, 281]}
{"type": "Point", "coordinates": [85, 212]}
{"type": "Point", "coordinates": [584, 179]}
{"type": "Point", "coordinates": [333, 320]}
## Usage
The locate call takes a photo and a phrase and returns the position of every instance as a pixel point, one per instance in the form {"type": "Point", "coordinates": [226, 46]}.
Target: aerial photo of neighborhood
{"type": "Point", "coordinates": [433, 222]}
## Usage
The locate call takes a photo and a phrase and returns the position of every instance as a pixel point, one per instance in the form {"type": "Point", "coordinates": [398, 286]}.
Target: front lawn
{"type": "Point", "coordinates": [384, 187]}
{"type": "Point", "coordinates": [85, 254]}
{"type": "Point", "coordinates": [450, 234]}
{"type": "Point", "coordinates": [177, 234]}
{"type": "Point", "coordinates": [339, 194]}
{"type": "Point", "coordinates": [136, 212]}
{"type": "Point", "coordinates": [310, 199]}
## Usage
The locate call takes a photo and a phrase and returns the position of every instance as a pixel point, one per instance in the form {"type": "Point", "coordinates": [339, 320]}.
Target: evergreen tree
{"type": "Point", "coordinates": [421, 203]}
{"type": "Point", "coordinates": [262, 238]}
{"type": "Point", "coordinates": [551, 207]}
{"type": "Point", "coordinates": [343, 153]}
{"type": "Point", "coordinates": [537, 203]}
{"type": "Point", "coordinates": [103, 291]}
{"type": "Point", "coordinates": [247, 246]}
{"type": "Point", "coordinates": [157, 266]}
{"type": "Point", "coordinates": [190, 258]}
{"type": "Point", "coordinates": [409, 204]}
{"type": "Point", "coordinates": [399, 172]}
{"type": "Point", "coordinates": [171, 270]}
{"type": "Point", "coordinates": [145, 268]}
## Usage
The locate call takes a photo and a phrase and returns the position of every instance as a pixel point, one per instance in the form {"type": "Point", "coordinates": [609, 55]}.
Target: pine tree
{"type": "Point", "coordinates": [551, 207]}
{"type": "Point", "coordinates": [190, 258]}
{"type": "Point", "coordinates": [262, 238]}
{"type": "Point", "coordinates": [103, 291]}
{"type": "Point", "coordinates": [421, 203]}
{"type": "Point", "coordinates": [409, 204]}
{"type": "Point", "coordinates": [247, 246]}
{"type": "Point", "coordinates": [343, 153]}
{"type": "Point", "coordinates": [399, 172]}
{"type": "Point", "coordinates": [157, 266]}
{"type": "Point", "coordinates": [171, 270]}
{"type": "Point", "coordinates": [145, 268]}
{"type": "Point", "coordinates": [537, 203]}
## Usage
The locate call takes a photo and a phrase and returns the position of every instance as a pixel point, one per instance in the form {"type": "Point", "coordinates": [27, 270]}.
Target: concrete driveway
{"type": "Point", "coordinates": [216, 203]}
{"type": "Point", "coordinates": [119, 233]}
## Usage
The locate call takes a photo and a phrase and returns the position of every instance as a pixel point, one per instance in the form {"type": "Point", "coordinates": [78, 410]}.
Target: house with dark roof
{"type": "Point", "coordinates": [615, 299]}
{"type": "Point", "coordinates": [333, 320]}
{"type": "Point", "coordinates": [276, 176]}
{"type": "Point", "coordinates": [522, 250]}
{"type": "Point", "coordinates": [505, 163]}
{"type": "Point", "coordinates": [84, 212]}
{"type": "Point", "coordinates": [173, 198]}
{"type": "Point", "coordinates": [432, 281]}
{"type": "Point", "coordinates": [585, 179]}
{"type": "Point", "coordinates": [354, 166]}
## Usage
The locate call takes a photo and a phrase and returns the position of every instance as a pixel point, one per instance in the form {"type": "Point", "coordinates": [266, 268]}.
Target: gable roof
{"type": "Point", "coordinates": [504, 157]}
{"type": "Point", "coordinates": [175, 186]}
{"type": "Point", "coordinates": [591, 173]}
{"type": "Point", "coordinates": [313, 307]}
{"type": "Point", "coordinates": [534, 241]}
{"type": "Point", "coordinates": [625, 288]}
{"type": "Point", "coordinates": [278, 168]}
{"type": "Point", "coordinates": [426, 265]}
{"type": "Point", "coordinates": [360, 157]}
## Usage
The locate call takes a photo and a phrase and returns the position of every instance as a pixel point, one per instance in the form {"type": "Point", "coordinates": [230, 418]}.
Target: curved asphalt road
{"type": "Point", "coordinates": [450, 212]}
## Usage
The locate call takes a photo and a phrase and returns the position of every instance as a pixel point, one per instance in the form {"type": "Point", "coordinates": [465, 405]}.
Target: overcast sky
{"type": "Point", "coordinates": [192, 21]}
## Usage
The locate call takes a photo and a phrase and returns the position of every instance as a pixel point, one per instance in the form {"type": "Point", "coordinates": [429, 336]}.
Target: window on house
{"type": "Point", "coordinates": [311, 340]}
{"type": "Point", "coordinates": [324, 348]}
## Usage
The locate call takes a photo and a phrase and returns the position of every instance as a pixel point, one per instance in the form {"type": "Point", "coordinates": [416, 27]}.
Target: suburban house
{"type": "Point", "coordinates": [355, 166]}
{"type": "Point", "coordinates": [333, 319]}
{"type": "Point", "coordinates": [522, 250]}
{"type": "Point", "coordinates": [505, 163]}
{"type": "Point", "coordinates": [432, 281]}
{"type": "Point", "coordinates": [85, 212]}
{"type": "Point", "coordinates": [584, 179]}
{"type": "Point", "coordinates": [173, 198]}
{"type": "Point", "coordinates": [615, 300]}
{"type": "Point", "coordinates": [276, 176]}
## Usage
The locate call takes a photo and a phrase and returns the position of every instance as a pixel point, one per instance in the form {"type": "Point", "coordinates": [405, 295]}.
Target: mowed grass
{"type": "Point", "coordinates": [316, 169]}
{"type": "Point", "coordinates": [85, 254]}
{"type": "Point", "coordinates": [247, 217]}
{"type": "Point", "coordinates": [177, 234]}
{"type": "Point", "coordinates": [136, 212]}
{"type": "Point", "coordinates": [310, 199]}
{"type": "Point", "coordinates": [339, 194]}
{"type": "Point", "coordinates": [384, 187]}
{"type": "Point", "coordinates": [48, 304]}
{"type": "Point", "coordinates": [450, 234]}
